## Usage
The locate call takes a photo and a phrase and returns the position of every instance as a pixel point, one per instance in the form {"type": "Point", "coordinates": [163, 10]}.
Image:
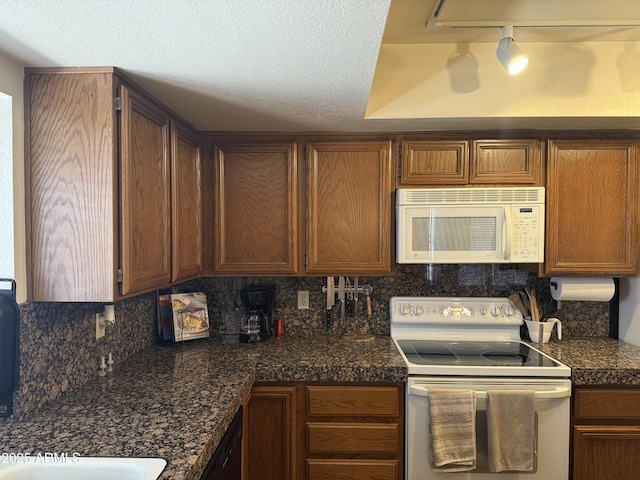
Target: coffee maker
{"type": "Point", "coordinates": [259, 306]}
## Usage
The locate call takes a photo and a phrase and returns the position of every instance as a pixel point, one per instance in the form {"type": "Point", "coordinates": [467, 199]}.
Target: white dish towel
{"type": "Point", "coordinates": [452, 427]}
{"type": "Point", "coordinates": [511, 430]}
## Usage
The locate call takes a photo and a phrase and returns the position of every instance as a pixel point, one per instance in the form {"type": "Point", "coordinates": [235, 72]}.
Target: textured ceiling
{"type": "Point", "coordinates": [257, 65]}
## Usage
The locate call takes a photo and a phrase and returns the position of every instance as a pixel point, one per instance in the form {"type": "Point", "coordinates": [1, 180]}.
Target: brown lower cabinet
{"type": "Point", "coordinates": [606, 433]}
{"type": "Point", "coordinates": [322, 431]}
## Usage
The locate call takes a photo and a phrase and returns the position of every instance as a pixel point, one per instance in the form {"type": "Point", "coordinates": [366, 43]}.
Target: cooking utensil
{"type": "Point", "coordinates": [367, 290]}
{"type": "Point", "coordinates": [348, 291]}
{"type": "Point", "coordinates": [517, 302]}
{"type": "Point", "coordinates": [524, 298]}
{"type": "Point", "coordinates": [331, 299]}
{"type": "Point", "coordinates": [341, 296]}
{"type": "Point", "coordinates": [355, 296]}
{"type": "Point", "coordinates": [533, 304]}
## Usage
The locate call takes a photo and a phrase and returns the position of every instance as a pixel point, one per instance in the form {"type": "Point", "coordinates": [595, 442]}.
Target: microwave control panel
{"type": "Point", "coordinates": [528, 233]}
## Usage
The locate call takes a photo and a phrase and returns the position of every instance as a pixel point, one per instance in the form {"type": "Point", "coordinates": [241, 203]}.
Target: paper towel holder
{"type": "Point", "coordinates": [554, 285]}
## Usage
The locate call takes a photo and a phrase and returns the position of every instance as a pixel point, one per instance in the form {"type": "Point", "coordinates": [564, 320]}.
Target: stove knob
{"type": "Point", "coordinates": [418, 310]}
{"type": "Point", "coordinates": [405, 309]}
{"type": "Point", "coordinates": [508, 312]}
{"type": "Point", "coordinates": [495, 311]}
{"type": "Point", "coordinates": [483, 311]}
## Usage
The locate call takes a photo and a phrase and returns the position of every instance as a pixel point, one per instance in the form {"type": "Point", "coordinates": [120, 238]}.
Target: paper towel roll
{"type": "Point", "coordinates": [594, 289]}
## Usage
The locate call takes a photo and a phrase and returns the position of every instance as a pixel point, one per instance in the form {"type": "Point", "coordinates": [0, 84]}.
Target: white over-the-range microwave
{"type": "Point", "coordinates": [470, 225]}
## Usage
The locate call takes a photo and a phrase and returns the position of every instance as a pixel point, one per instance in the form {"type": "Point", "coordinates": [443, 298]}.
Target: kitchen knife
{"type": "Point", "coordinates": [341, 296]}
{"type": "Point", "coordinates": [331, 298]}
{"type": "Point", "coordinates": [355, 296]}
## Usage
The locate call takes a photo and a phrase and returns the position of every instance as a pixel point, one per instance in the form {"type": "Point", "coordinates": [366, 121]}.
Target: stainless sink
{"type": "Point", "coordinates": [81, 468]}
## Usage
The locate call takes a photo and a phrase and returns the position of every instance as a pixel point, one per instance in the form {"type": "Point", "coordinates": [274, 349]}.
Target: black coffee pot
{"type": "Point", "coordinates": [259, 305]}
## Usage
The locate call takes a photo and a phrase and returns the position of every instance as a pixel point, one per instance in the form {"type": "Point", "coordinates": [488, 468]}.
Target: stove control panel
{"type": "Point", "coordinates": [454, 310]}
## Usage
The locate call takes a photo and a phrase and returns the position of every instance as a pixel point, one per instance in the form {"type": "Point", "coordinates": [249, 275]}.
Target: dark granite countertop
{"type": "Point", "coordinates": [176, 402]}
{"type": "Point", "coordinates": [597, 360]}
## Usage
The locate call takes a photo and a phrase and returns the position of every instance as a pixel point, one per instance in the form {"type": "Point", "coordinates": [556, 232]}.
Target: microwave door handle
{"type": "Point", "coordinates": [506, 233]}
{"type": "Point", "coordinates": [557, 392]}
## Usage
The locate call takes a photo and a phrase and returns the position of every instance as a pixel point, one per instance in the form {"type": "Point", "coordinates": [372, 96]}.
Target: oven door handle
{"type": "Point", "coordinates": [558, 392]}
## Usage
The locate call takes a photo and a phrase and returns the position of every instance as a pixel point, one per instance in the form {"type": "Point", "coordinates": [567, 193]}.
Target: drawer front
{"type": "Point", "coordinates": [613, 403]}
{"type": "Point", "coordinates": [353, 401]}
{"type": "Point", "coordinates": [352, 437]}
{"type": "Point", "coordinates": [352, 469]}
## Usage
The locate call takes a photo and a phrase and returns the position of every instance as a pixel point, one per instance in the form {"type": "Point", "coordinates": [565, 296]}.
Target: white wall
{"type": "Point", "coordinates": [630, 310]}
{"type": "Point", "coordinates": [11, 83]}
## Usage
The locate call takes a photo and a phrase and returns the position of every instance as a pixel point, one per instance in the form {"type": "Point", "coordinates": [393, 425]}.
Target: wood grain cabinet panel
{"type": "Point", "coordinates": [70, 150]}
{"type": "Point", "coordinates": [114, 188]}
{"type": "Point", "coordinates": [592, 212]}
{"type": "Point", "coordinates": [606, 433]}
{"type": "Point", "coordinates": [256, 211]}
{"type": "Point", "coordinates": [607, 403]}
{"type": "Point", "coordinates": [333, 437]}
{"type": "Point", "coordinates": [271, 431]}
{"type": "Point", "coordinates": [353, 469]}
{"type": "Point", "coordinates": [434, 162]}
{"type": "Point", "coordinates": [606, 452]}
{"type": "Point", "coordinates": [146, 195]}
{"type": "Point", "coordinates": [506, 162]}
{"type": "Point", "coordinates": [354, 431]}
{"type": "Point", "coordinates": [186, 203]}
{"type": "Point", "coordinates": [349, 190]}
{"type": "Point", "coordinates": [353, 401]}
{"type": "Point", "coordinates": [468, 162]}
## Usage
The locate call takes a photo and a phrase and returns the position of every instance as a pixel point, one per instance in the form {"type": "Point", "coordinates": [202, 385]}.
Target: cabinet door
{"type": "Point", "coordinates": [145, 195]}
{"type": "Point", "coordinates": [434, 162]}
{"type": "Point", "coordinates": [186, 203]}
{"type": "Point", "coordinates": [506, 162]}
{"type": "Point", "coordinates": [349, 188]}
{"type": "Point", "coordinates": [592, 188]}
{"type": "Point", "coordinates": [606, 452]}
{"type": "Point", "coordinates": [71, 153]}
{"type": "Point", "coordinates": [256, 211]}
{"type": "Point", "coordinates": [271, 427]}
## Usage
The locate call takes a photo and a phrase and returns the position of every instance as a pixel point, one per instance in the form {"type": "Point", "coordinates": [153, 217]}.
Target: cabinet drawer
{"type": "Point", "coordinates": [352, 469]}
{"type": "Point", "coordinates": [613, 403]}
{"type": "Point", "coordinates": [435, 162]}
{"type": "Point", "coordinates": [352, 437]}
{"type": "Point", "coordinates": [352, 401]}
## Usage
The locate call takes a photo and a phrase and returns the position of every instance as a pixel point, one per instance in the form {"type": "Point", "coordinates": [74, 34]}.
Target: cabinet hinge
{"type": "Point", "coordinates": [304, 153]}
{"type": "Point", "coordinates": [399, 161]}
{"type": "Point", "coordinates": [305, 261]}
{"type": "Point", "coordinates": [119, 275]}
{"type": "Point", "coordinates": [118, 104]}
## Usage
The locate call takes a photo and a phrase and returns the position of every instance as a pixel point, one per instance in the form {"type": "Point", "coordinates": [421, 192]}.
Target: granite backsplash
{"type": "Point", "coordinates": [59, 352]}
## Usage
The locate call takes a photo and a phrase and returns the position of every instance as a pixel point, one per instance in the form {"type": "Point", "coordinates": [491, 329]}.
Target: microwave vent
{"type": "Point", "coordinates": [464, 196]}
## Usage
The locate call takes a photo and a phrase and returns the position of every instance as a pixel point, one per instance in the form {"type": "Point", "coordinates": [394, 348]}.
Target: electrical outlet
{"type": "Point", "coordinates": [99, 328]}
{"type": "Point", "coordinates": [303, 299]}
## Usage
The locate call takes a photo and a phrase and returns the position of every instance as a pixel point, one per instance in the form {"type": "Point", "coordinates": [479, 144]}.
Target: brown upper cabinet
{"type": "Point", "coordinates": [443, 163]}
{"type": "Point", "coordinates": [260, 230]}
{"type": "Point", "coordinates": [106, 177]}
{"type": "Point", "coordinates": [592, 213]}
{"type": "Point", "coordinates": [349, 190]}
{"type": "Point", "coordinates": [256, 209]}
{"type": "Point", "coordinates": [186, 194]}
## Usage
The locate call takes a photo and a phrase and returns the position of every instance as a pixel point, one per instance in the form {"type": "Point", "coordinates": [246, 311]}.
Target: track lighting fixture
{"type": "Point", "coordinates": [509, 54]}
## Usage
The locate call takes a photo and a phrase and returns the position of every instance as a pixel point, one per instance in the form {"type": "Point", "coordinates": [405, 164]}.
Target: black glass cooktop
{"type": "Point", "coordinates": [473, 353]}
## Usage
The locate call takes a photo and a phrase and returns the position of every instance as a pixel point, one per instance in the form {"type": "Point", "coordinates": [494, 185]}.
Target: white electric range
{"type": "Point", "coordinates": [474, 343]}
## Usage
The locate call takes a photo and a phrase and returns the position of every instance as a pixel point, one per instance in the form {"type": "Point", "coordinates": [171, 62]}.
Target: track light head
{"type": "Point", "coordinates": [509, 53]}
